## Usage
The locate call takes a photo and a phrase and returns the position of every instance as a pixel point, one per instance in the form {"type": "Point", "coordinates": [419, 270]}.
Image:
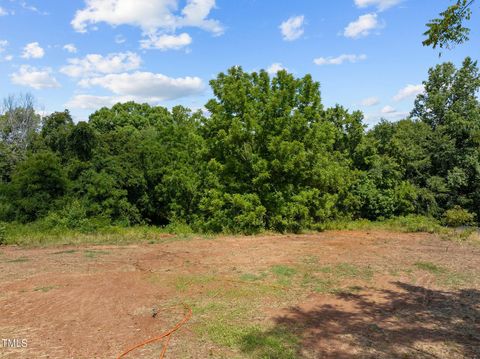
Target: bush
{"type": "Point", "coordinates": [414, 223]}
{"type": "Point", "coordinates": [73, 216]}
{"type": "Point", "coordinates": [37, 183]}
{"type": "Point", "coordinates": [231, 213]}
{"type": "Point", "coordinates": [457, 217]}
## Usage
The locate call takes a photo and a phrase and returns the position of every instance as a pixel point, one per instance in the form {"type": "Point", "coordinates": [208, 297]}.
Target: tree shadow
{"type": "Point", "coordinates": [405, 322]}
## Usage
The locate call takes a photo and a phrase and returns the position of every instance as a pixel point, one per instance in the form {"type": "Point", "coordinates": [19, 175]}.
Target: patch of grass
{"type": "Point", "coordinates": [347, 270]}
{"type": "Point", "coordinates": [278, 343]}
{"type": "Point", "coordinates": [209, 308]}
{"type": "Point", "coordinates": [249, 277]}
{"type": "Point", "coordinates": [454, 280]}
{"type": "Point", "coordinates": [247, 292]}
{"type": "Point", "coordinates": [183, 282]}
{"type": "Point", "coordinates": [318, 284]}
{"type": "Point", "coordinates": [445, 277]}
{"type": "Point", "coordinates": [19, 260]}
{"type": "Point", "coordinates": [328, 279]}
{"type": "Point", "coordinates": [45, 289]}
{"type": "Point", "coordinates": [284, 274]}
{"type": "Point", "coordinates": [94, 253]}
{"type": "Point", "coordinates": [411, 223]}
{"type": "Point", "coordinates": [252, 340]}
{"type": "Point", "coordinates": [225, 333]}
{"type": "Point", "coordinates": [283, 271]}
{"type": "Point", "coordinates": [430, 267]}
{"type": "Point", "coordinates": [324, 286]}
{"type": "Point", "coordinates": [38, 234]}
{"type": "Point", "coordinates": [468, 234]}
{"type": "Point", "coordinates": [225, 324]}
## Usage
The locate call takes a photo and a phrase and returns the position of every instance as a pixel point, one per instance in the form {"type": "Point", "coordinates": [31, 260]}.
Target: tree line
{"type": "Point", "coordinates": [266, 154]}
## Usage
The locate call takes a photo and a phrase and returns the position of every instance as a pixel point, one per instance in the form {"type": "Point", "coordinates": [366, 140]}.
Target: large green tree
{"type": "Point", "coordinates": [451, 108]}
{"type": "Point", "coordinates": [270, 141]}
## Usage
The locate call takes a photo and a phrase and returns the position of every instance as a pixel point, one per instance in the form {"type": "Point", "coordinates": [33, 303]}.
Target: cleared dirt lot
{"type": "Point", "coordinates": [338, 294]}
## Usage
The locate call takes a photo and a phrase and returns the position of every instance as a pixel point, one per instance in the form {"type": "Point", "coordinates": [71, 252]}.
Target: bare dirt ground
{"type": "Point", "coordinates": [339, 294]}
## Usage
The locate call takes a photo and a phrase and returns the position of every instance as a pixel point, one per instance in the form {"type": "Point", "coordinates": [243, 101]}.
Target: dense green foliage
{"type": "Point", "coordinates": [268, 155]}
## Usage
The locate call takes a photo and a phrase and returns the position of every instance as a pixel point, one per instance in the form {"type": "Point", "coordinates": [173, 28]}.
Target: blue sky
{"type": "Point", "coordinates": [83, 54]}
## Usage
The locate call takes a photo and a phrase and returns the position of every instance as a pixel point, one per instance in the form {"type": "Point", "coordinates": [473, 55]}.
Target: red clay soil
{"type": "Point", "coordinates": [94, 302]}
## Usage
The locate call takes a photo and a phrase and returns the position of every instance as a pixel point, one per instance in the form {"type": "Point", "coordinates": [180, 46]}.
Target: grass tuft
{"type": "Point", "coordinates": [283, 271]}
{"type": "Point", "coordinates": [430, 267]}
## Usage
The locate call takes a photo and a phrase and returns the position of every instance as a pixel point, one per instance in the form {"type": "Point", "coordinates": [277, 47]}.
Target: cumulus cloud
{"type": "Point", "coordinates": [380, 4]}
{"type": "Point", "coordinates": [362, 27]}
{"type": "Point", "coordinates": [275, 67]}
{"type": "Point", "coordinates": [166, 42]}
{"type": "Point", "coordinates": [150, 15]}
{"type": "Point", "coordinates": [195, 14]}
{"type": "Point", "coordinates": [97, 65]}
{"type": "Point", "coordinates": [370, 101]}
{"type": "Point", "coordinates": [92, 102]}
{"type": "Point", "coordinates": [292, 28]}
{"type": "Point", "coordinates": [339, 59]}
{"type": "Point", "coordinates": [409, 91]}
{"type": "Point", "coordinates": [35, 78]}
{"type": "Point", "coordinates": [150, 87]}
{"type": "Point", "coordinates": [33, 51]}
{"type": "Point", "coordinates": [71, 48]}
{"type": "Point", "coordinates": [388, 110]}
{"type": "Point", "coordinates": [3, 12]}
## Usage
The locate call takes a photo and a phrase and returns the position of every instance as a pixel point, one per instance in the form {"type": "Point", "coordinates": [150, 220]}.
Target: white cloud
{"type": "Point", "coordinates": [71, 48]}
{"type": "Point", "coordinates": [35, 78]}
{"type": "Point", "coordinates": [361, 27]}
{"type": "Point", "coordinates": [3, 45]}
{"type": "Point", "coordinates": [195, 14]}
{"type": "Point", "coordinates": [96, 65]}
{"type": "Point", "coordinates": [166, 42]}
{"type": "Point", "coordinates": [388, 110]}
{"type": "Point", "coordinates": [3, 12]}
{"type": "Point", "coordinates": [30, 7]}
{"type": "Point", "coordinates": [147, 86]}
{"type": "Point", "coordinates": [150, 15]}
{"type": "Point", "coordinates": [33, 51]}
{"type": "Point", "coordinates": [409, 91]}
{"type": "Point", "coordinates": [275, 67]}
{"type": "Point", "coordinates": [370, 101]}
{"type": "Point", "coordinates": [91, 102]}
{"type": "Point", "coordinates": [339, 59]}
{"type": "Point", "coordinates": [380, 4]}
{"type": "Point", "coordinates": [292, 28]}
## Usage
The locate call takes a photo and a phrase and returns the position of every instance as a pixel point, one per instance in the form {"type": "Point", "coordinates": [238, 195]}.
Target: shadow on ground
{"type": "Point", "coordinates": [405, 322]}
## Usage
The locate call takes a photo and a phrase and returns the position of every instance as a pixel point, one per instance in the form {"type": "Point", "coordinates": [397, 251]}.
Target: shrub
{"type": "Point", "coordinates": [232, 213]}
{"type": "Point", "coordinates": [457, 216]}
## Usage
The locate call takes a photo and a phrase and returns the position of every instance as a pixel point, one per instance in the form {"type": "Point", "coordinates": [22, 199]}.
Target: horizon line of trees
{"type": "Point", "coordinates": [269, 156]}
